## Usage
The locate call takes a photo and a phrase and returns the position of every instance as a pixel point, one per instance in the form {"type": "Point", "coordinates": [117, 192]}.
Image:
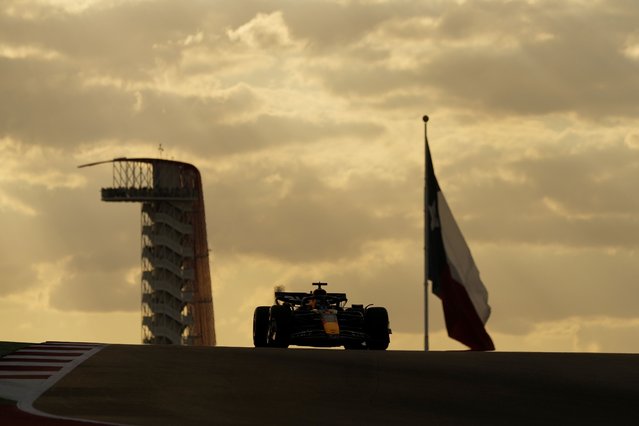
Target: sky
{"type": "Point", "coordinates": [305, 120]}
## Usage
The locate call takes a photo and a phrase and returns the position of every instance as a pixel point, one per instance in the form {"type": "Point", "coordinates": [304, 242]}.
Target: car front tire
{"type": "Point", "coordinates": [279, 326]}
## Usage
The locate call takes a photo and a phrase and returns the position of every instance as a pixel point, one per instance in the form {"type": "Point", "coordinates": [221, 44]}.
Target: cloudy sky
{"type": "Point", "coordinates": [304, 117]}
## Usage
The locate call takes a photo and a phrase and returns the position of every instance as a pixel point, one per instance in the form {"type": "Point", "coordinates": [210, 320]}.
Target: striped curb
{"type": "Point", "coordinates": [30, 371]}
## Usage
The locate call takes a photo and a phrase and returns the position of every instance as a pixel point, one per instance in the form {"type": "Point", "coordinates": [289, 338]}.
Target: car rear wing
{"type": "Point", "coordinates": [295, 298]}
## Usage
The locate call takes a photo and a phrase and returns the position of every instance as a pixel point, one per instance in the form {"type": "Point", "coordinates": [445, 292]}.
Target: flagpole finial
{"type": "Point", "coordinates": [425, 118]}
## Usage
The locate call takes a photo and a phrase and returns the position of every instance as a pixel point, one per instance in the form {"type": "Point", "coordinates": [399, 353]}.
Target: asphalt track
{"type": "Point", "coordinates": [163, 385]}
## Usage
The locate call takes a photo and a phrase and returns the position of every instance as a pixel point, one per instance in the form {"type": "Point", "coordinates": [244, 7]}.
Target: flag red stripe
{"type": "Point", "coordinates": [462, 322]}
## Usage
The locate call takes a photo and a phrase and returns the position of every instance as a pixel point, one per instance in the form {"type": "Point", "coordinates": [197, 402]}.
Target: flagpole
{"type": "Point", "coordinates": [426, 227]}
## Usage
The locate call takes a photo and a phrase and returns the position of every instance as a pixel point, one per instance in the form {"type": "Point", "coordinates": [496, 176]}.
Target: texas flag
{"type": "Point", "coordinates": [453, 273]}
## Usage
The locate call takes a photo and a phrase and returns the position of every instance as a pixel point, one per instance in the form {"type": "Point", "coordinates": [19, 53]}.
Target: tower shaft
{"type": "Point", "coordinates": [177, 302]}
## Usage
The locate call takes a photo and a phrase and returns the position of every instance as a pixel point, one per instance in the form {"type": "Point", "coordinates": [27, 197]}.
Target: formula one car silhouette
{"type": "Point", "coordinates": [320, 319]}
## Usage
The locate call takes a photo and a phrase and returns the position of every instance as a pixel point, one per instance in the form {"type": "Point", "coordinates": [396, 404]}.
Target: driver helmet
{"type": "Point", "coordinates": [318, 297]}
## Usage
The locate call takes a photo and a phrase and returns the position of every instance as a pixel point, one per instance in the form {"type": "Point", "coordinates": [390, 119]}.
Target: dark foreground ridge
{"type": "Point", "coordinates": [155, 385]}
{"type": "Point", "coordinates": [8, 347]}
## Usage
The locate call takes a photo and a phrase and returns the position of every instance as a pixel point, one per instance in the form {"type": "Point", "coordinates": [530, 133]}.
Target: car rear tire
{"type": "Point", "coordinates": [260, 326]}
{"type": "Point", "coordinates": [279, 330]}
{"type": "Point", "coordinates": [377, 328]}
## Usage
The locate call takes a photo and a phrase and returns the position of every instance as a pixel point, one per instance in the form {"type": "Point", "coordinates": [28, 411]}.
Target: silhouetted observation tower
{"type": "Point", "coordinates": [177, 303]}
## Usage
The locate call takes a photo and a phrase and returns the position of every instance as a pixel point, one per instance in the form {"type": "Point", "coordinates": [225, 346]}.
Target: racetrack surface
{"type": "Point", "coordinates": [164, 385]}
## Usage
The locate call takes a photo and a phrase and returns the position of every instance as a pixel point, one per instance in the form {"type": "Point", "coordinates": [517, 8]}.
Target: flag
{"type": "Point", "coordinates": [453, 272]}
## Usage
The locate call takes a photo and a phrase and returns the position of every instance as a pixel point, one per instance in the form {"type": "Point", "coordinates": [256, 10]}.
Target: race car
{"type": "Point", "coordinates": [321, 319]}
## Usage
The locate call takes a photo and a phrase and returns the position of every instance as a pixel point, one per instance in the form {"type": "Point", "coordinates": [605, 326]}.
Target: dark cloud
{"type": "Point", "coordinates": [108, 38]}
{"type": "Point", "coordinates": [269, 131]}
{"type": "Point", "coordinates": [97, 283]}
{"type": "Point", "coordinates": [287, 212]}
{"type": "Point", "coordinates": [561, 196]}
{"type": "Point", "coordinates": [96, 243]}
{"type": "Point", "coordinates": [594, 180]}
{"type": "Point", "coordinates": [77, 222]}
{"type": "Point", "coordinates": [563, 284]}
{"type": "Point", "coordinates": [361, 78]}
{"type": "Point", "coordinates": [330, 25]}
{"type": "Point", "coordinates": [509, 58]}
{"type": "Point", "coordinates": [572, 72]}
{"type": "Point", "coordinates": [43, 103]}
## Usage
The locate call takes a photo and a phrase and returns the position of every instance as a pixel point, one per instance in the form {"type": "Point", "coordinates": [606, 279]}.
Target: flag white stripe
{"type": "Point", "coordinates": [461, 263]}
